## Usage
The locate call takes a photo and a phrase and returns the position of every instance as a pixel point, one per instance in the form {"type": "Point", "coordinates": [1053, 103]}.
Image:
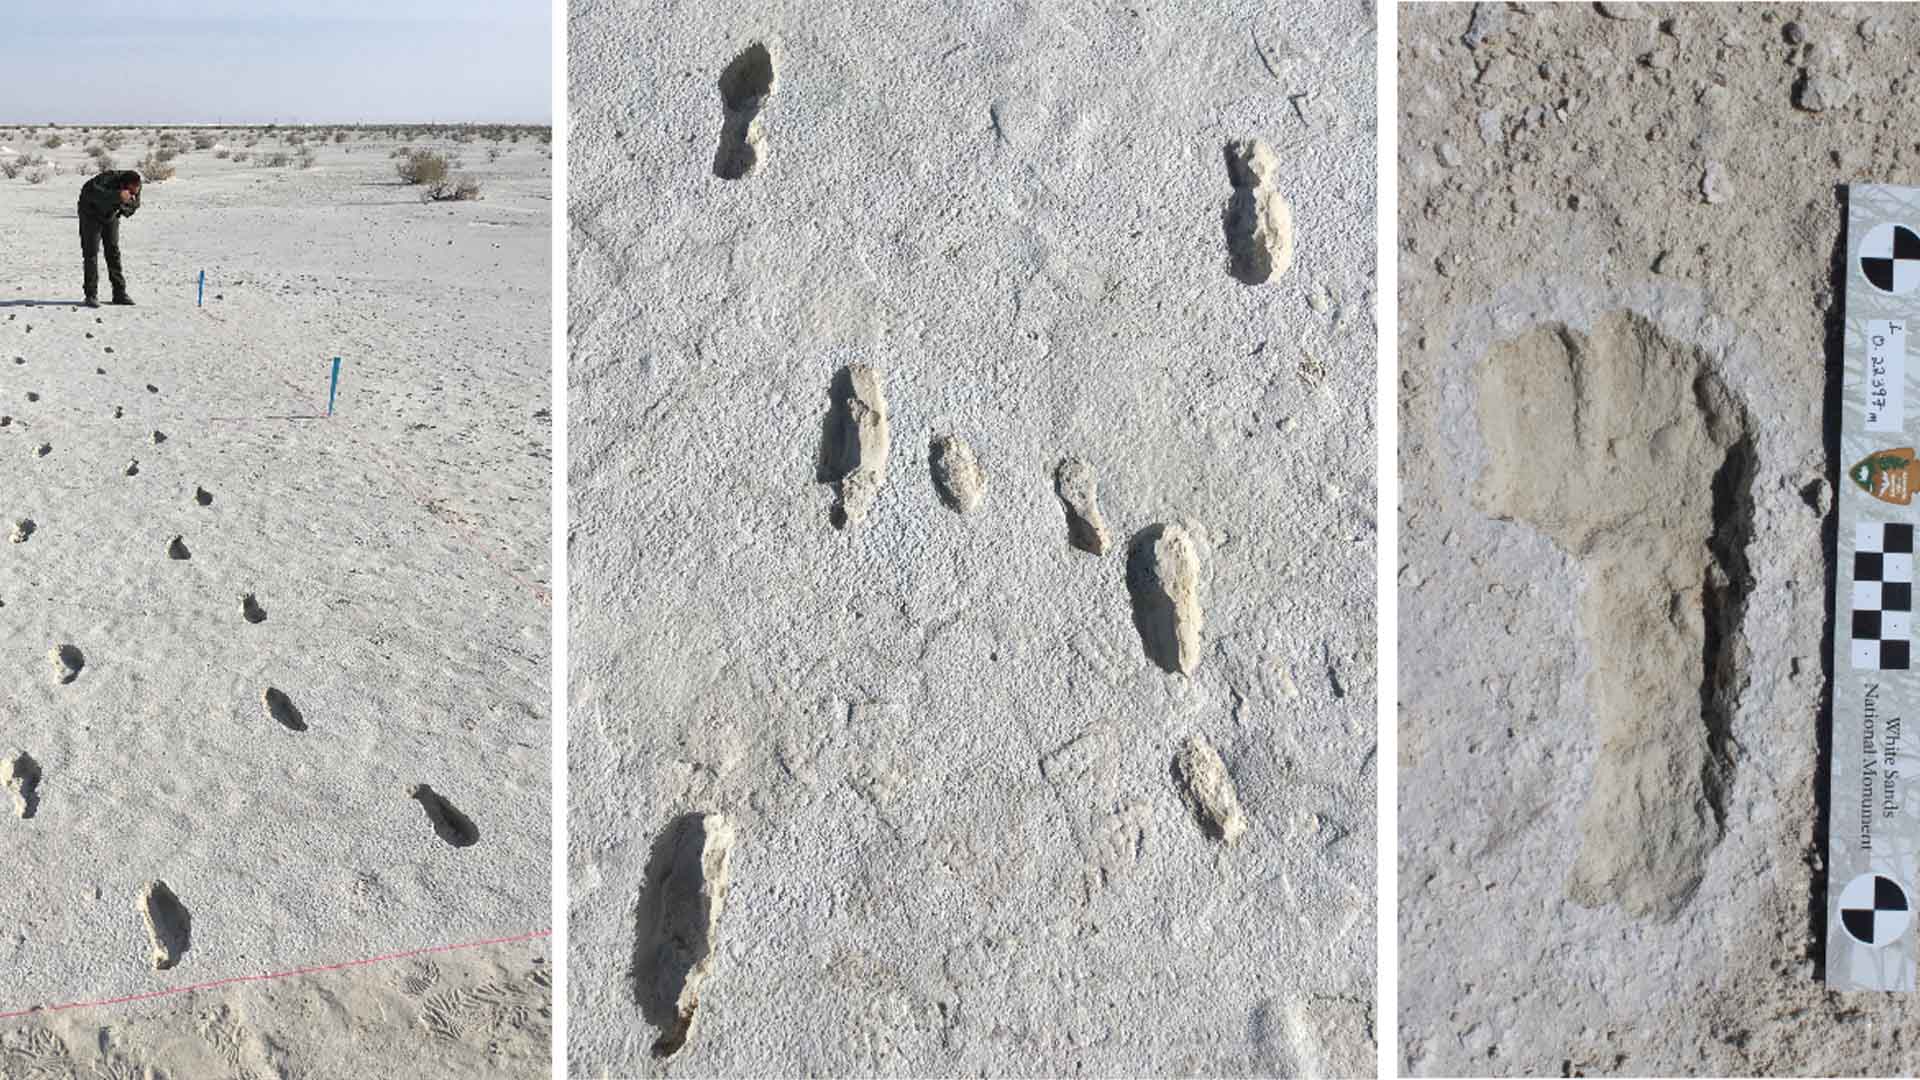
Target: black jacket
{"type": "Point", "coordinates": [100, 196]}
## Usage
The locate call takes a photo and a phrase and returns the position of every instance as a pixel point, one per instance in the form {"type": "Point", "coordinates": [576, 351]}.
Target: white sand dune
{"type": "Point", "coordinates": [398, 554]}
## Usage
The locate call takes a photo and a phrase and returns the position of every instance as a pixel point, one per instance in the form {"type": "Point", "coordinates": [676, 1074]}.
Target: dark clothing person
{"type": "Point", "coordinates": [101, 208]}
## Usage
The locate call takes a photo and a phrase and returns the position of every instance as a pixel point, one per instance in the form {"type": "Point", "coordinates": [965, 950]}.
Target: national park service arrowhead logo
{"type": "Point", "coordinates": [1888, 475]}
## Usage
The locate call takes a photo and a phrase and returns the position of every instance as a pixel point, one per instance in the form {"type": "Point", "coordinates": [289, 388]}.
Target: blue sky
{"type": "Point", "coordinates": [224, 61]}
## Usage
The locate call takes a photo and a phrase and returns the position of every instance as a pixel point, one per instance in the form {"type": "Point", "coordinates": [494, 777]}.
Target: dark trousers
{"type": "Point", "coordinates": [95, 232]}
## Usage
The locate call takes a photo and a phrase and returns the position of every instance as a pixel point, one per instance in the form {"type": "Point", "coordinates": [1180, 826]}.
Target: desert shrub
{"type": "Point", "coordinates": [53, 142]}
{"type": "Point", "coordinates": [241, 155]}
{"type": "Point", "coordinates": [401, 152]}
{"type": "Point", "coordinates": [11, 167]}
{"type": "Point", "coordinates": [96, 152]}
{"type": "Point", "coordinates": [452, 189]}
{"type": "Point", "coordinates": [306, 158]}
{"type": "Point", "coordinates": [154, 166]}
{"type": "Point", "coordinates": [223, 152]}
{"type": "Point", "coordinates": [493, 153]}
{"type": "Point", "coordinates": [37, 176]}
{"type": "Point", "coordinates": [252, 141]}
{"type": "Point", "coordinates": [168, 138]}
{"type": "Point", "coordinates": [112, 140]}
{"type": "Point", "coordinates": [165, 153]}
{"type": "Point", "coordinates": [279, 160]}
{"type": "Point", "coordinates": [105, 163]}
{"type": "Point", "coordinates": [424, 167]}
{"type": "Point", "coordinates": [294, 138]}
{"type": "Point", "coordinates": [204, 142]}
{"type": "Point", "coordinates": [339, 136]}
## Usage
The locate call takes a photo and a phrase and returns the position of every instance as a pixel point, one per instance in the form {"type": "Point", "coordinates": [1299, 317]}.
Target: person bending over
{"type": "Point", "coordinates": [104, 200]}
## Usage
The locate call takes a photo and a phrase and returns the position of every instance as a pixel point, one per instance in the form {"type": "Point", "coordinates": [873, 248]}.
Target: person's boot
{"type": "Point", "coordinates": [123, 299]}
{"type": "Point", "coordinates": [91, 301]}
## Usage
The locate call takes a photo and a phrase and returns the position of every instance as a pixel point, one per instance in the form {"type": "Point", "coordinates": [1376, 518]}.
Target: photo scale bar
{"type": "Point", "coordinates": [1874, 822]}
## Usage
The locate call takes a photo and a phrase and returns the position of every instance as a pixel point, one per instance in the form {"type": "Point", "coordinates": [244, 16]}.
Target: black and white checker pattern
{"type": "Point", "coordinates": [1882, 596]}
{"type": "Point", "coordinates": [1875, 910]}
{"type": "Point", "coordinates": [1890, 258]}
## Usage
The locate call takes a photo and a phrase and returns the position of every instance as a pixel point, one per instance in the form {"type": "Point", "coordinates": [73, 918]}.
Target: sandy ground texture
{"type": "Point", "coordinates": [876, 767]}
{"type": "Point", "coordinates": [448, 1016]}
{"type": "Point", "coordinates": [277, 684]}
{"type": "Point", "coordinates": [1619, 233]}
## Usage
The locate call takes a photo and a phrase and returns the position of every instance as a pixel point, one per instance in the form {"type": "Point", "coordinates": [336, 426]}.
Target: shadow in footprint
{"type": "Point", "coordinates": [281, 708]}
{"type": "Point", "coordinates": [203, 496]}
{"type": "Point", "coordinates": [839, 435]}
{"type": "Point", "coordinates": [1247, 258]}
{"type": "Point", "coordinates": [67, 662]}
{"type": "Point", "coordinates": [1814, 852]}
{"type": "Point", "coordinates": [744, 87]}
{"type": "Point", "coordinates": [169, 925]}
{"type": "Point", "coordinates": [251, 610]}
{"type": "Point", "coordinates": [452, 826]}
{"type": "Point", "coordinates": [177, 549]}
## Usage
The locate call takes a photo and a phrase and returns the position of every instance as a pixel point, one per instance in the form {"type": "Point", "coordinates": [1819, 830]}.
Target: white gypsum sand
{"type": "Point", "coordinates": [472, 1013]}
{"type": "Point", "coordinates": [392, 559]}
{"type": "Point", "coordinates": [1620, 227]}
{"type": "Point", "coordinates": [959, 842]}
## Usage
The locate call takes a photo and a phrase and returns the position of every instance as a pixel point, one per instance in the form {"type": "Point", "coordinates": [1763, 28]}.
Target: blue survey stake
{"type": "Point", "coordinates": [334, 388]}
{"type": "Point", "coordinates": [201, 300]}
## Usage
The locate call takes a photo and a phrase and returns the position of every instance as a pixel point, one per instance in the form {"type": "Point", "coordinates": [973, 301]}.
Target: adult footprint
{"type": "Point", "coordinates": [853, 442]}
{"type": "Point", "coordinates": [1163, 576]}
{"type": "Point", "coordinates": [452, 826]}
{"type": "Point", "coordinates": [744, 88]}
{"type": "Point", "coordinates": [687, 877]}
{"type": "Point", "coordinates": [1257, 219]}
{"type": "Point", "coordinates": [1628, 451]}
{"type": "Point", "coordinates": [169, 924]}
{"type": "Point", "coordinates": [282, 710]}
